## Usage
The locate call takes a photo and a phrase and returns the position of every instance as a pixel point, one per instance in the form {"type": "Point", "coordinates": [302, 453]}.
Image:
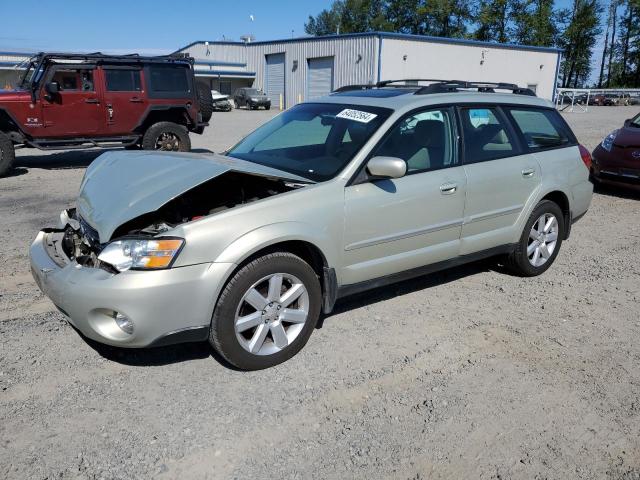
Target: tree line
{"type": "Point", "coordinates": [577, 29]}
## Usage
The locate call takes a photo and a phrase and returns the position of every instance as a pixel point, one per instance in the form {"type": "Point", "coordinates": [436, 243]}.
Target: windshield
{"type": "Point", "coordinates": [31, 74]}
{"type": "Point", "coordinates": [312, 140]}
{"type": "Point", "coordinates": [635, 122]}
{"type": "Point", "coordinates": [253, 91]}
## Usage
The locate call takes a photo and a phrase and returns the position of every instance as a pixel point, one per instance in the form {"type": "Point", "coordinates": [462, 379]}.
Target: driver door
{"type": "Point", "coordinates": [400, 224]}
{"type": "Point", "coordinates": [76, 110]}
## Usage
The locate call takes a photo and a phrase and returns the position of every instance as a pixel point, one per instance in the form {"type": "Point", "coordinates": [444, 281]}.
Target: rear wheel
{"type": "Point", "coordinates": [166, 136]}
{"type": "Point", "coordinates": [7, 154]}
{"type": "Point", "coordinates": [540, 241]}
{"type": "Point", "coordinates": [266, 312]}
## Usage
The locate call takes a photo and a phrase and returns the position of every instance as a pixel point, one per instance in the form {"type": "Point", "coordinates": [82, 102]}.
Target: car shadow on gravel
{"type": "Point", "coordinates": [157, 356]}
{"type": "Point", "coordinates": [614, 191]}
{"type": "Point", "coordinates": [67, 159]}
{"type": "Point", "coordinates": [424, 282]}
{"type": "Point", "coordinates": [59, 160]}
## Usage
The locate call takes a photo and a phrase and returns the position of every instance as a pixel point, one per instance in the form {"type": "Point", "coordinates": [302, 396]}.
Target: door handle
{"type": "Point", "coordinates": [135, 100]}
{"type": "Point", "coordinates": [92, 100]}
{"type": "Point", "coordinates": [448, 188]}
{"type": "Point", "coordinates": [528, 172]}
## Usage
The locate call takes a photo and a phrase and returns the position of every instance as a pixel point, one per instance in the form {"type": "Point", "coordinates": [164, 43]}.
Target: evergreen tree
{"type": "Point", "coordinates": [578, 39]}
{"type": "Point", "coordinates": [492, 18]}
{"type": "Point", "coordinates": [535, 23]}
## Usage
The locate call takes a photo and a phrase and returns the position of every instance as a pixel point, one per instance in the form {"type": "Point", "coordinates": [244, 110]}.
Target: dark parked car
{"type": "Point", "coordinates": [94, 100]}
{"type": "Point", "coordinates": [251, 98]}
{"type": "Point", "coordinates": [617, 159]}
{"type": "Point", "coordinates": [606, 99]}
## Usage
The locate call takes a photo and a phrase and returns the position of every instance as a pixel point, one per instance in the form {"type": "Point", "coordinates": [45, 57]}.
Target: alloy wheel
{"type": "Point", "coordinates": [168, 141]}
{"type": "Point", "coordinates": [543, 238]}
{"type": "Point", "coordinates": [271, 314]}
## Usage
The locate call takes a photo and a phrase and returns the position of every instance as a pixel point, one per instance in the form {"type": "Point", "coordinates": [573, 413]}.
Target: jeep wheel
{"type": "Point", "coordinates": [267, 312]}
{"type": "Point", "coordinates": [540, 241]}
{"type": "Point", "coordinates": [206, 101]}
{"type": "Point", "coordinates": [7, 154]}
{"type": "Point", "coordinates": [166, 136]}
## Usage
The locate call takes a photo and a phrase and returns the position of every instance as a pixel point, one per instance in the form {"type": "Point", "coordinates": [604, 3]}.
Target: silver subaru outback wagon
{"type": "Point", "coordinates": [369, 185]}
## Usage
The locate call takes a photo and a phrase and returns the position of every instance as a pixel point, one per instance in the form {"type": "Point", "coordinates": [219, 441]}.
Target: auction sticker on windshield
{"type": "Point", "coordinates": [357, 115]}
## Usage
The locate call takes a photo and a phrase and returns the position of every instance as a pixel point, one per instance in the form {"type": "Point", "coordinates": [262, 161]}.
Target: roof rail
{"type": "Point", "coordinates": [487, 87]}
{"type": "Point", "coordinates": [389, 83]}
{"type": "Point", "coordinates": [347, 88]}
{"type": "Point", "coordinates": [441, 86]}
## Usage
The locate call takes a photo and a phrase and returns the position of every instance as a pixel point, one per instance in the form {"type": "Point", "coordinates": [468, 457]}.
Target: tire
{"type": "Point", "coordinates": [523, 263]}
{"type": "Point", "coordinates": [268, 107]}
{"type": "Point", "coordinates": [205, 100]}
{"type": "Point", "coordinates": [7, 154]}
{"type": "Point", "coordinates": [234, 344]}
{"type": "Point", "coordinates": [177, 137]}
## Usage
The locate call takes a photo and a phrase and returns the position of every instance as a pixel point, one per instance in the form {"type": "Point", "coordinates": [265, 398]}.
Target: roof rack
{"type": "Point", "coordinates": [132, 57]}
{"type": "Point", "coordinates": [487, 87]}
{"type": "Point", "coordinates": [441, 86]}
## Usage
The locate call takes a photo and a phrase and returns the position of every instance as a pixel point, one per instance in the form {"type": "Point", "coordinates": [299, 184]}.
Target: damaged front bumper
{"type": "Point", "coordinates": [166, 306]}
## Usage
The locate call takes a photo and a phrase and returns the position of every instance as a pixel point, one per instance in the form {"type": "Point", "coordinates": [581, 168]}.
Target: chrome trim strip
{"type": "Point", "coordinates": [494, 213]}
{"type": "Point", "coordinates": [401, 236]}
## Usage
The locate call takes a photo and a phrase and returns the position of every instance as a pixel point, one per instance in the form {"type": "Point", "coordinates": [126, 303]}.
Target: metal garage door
{"type": "Point", "coordinates": [320, 77]}
{"type": "Point", "coordinates": [275, 78]}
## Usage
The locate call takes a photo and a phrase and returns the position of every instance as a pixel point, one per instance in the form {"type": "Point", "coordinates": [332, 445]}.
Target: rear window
{"type": "Point", "coordinates": [486, 136]}
{"type": "Point", "coordinates": [540, 128]}
{"type": "Point", "coordinates": [123, 80]}
{"type": "Point", "coordinates": [166, 78]}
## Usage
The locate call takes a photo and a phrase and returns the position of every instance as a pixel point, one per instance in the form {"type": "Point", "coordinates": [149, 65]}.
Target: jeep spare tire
{"type": "Point", "coordinates": [206, 101]}
{"type": "Point", "coordinates": [166, 136]}
{"type": "Point", "coordinates": [7, 154]}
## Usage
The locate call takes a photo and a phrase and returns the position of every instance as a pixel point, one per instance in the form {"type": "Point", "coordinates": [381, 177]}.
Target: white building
{"type": "Point", "coordinates": [300, 69]}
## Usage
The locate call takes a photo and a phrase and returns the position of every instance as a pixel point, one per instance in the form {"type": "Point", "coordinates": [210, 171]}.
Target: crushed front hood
{"type": "Point", "coordinates": [120, 186]}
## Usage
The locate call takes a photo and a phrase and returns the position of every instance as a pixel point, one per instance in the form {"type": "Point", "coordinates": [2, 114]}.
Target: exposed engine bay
{"type": "Point", "coordinates": [80, 242]}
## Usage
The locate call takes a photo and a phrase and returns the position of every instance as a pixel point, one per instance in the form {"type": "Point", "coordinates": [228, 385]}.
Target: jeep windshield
{"type": "Point", "coordinates": [312, 140]}
{"type": "Point", "coordinates": [32, 73]}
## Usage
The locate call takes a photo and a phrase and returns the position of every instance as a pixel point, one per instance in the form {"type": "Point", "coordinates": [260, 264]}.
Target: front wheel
{"type": "Point", "coordinates": [267, 312]}
{"type": "Point", "coordinates": [7, 154]}
{"type": "Point", "coordinates": [166, 136]}
{"type": "Point", "coordinates": [540, 241]}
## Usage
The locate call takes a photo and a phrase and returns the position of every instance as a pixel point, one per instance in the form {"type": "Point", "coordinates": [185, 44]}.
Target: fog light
{"type": "Point", "coordinates": [124, 322]}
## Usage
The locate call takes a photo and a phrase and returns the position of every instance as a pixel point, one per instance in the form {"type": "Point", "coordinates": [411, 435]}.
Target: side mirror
{"type": "Point", "coordinates": [386, 167]}
{"type": "Point", "coordinates": [627, 122]}
{"type": "Point", "coordinates": [52, 87]}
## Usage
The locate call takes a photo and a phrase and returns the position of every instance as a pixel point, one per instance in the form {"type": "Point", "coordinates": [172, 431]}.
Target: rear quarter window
{"type": "Point", "coordinates": [170, 81]}
{"type": "Point", "coordinates": [541, 129]}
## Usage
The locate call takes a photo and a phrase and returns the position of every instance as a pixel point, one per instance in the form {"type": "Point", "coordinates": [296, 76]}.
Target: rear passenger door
{"type": "Point", "coordinates": [502, 178]}
{"type": "Point", "coordinates": [124, 97]}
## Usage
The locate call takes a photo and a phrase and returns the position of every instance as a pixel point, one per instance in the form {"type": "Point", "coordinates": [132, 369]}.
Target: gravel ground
{"type": "Point", "coordinates": [470, 373]}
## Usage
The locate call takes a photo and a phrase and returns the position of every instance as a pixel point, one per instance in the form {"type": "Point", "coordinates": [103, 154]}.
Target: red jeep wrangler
{"type": "Point", "coordinates": [71, 101]}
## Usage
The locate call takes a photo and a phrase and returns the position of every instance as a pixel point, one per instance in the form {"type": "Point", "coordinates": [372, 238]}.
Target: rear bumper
{"type": "Point", "coordinates": [176, 303]}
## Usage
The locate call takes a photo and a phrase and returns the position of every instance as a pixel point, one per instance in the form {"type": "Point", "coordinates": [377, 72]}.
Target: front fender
{"type": "Point", "coordinates": [260, 238]}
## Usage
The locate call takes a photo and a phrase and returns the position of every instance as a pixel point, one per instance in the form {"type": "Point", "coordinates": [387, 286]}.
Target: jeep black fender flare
{"type": "Point", "coordinates": [9, 124]}
{"type": "Point", "coordinates": [176, 113]}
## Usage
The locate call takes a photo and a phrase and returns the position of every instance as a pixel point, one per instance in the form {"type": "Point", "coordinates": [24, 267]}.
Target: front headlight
{"type": "Point", "coordinates": [141, 254]}
{"type": "Point", "coordinates": [607, 143]}
{"type": "Point", "coordinates": [254, 99]}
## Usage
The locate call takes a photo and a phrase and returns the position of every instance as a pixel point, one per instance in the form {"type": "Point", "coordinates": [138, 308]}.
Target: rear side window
{"type": "Point", "coordinates": [123, 80]}
{"type": "Point", "coordinates": [540, 128]}
{"type": "Point", "coordinates": [486, 136]}
{"type": "Point", "coordinates": [168, 79]}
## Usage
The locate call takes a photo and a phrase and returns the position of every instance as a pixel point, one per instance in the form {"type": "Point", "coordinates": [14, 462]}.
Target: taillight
{"type": "Point", "coordinates": [586, 156]}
